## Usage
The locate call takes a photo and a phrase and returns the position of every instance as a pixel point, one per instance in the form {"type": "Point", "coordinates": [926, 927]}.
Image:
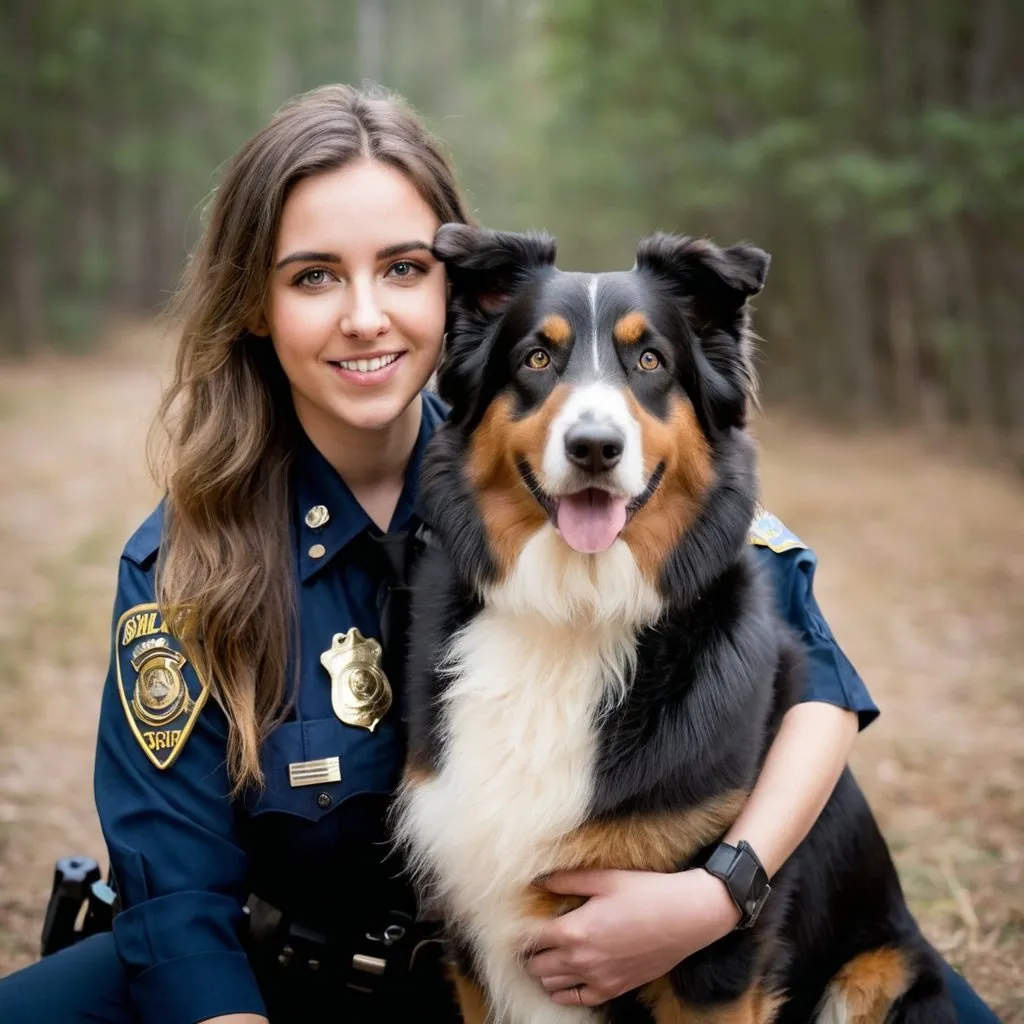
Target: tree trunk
{"type": "Point", "coordinates": [24, 256]}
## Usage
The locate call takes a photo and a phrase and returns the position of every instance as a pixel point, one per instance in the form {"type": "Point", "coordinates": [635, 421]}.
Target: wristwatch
{"type": "Point", "coordinates": [744, 877]}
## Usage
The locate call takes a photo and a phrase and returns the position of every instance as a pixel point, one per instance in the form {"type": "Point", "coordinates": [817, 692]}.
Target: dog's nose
{"type": "Point", "coordinates": [595, 447]}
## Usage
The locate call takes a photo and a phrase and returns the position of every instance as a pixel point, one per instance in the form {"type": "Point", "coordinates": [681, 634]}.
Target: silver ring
{"type": "Point", "coordinates": [576, 992]}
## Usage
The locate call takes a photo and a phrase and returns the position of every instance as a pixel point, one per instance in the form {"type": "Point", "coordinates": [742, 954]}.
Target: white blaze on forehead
{"type": "Point", "coordinates": [598, 403]}
{"type": "Point", "coordinates": [592, 292]}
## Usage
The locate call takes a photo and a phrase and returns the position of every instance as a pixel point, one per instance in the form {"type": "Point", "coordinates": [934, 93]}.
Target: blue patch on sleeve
{"type": "Point", "coordinates": [769, 531]}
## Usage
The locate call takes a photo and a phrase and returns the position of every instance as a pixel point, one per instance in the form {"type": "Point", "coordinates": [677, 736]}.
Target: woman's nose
{"type": "Point", "coordinates": [364, 318]}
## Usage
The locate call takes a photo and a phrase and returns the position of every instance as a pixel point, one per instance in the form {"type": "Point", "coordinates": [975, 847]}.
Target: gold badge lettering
{"type": "Point", "coordinates": [162, 740]}
{"type": "Point", "coordinates": [144, 624]}
{"type": "Point", "coordinates": [360, 692]}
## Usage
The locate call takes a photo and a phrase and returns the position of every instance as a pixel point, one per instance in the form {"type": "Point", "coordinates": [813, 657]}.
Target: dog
{"type": "Point", "coordinates": [596, 667]}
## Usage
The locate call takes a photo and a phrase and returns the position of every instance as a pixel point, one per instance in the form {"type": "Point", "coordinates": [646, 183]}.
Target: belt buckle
{"type": "Point", "coordinates": [370, 967]}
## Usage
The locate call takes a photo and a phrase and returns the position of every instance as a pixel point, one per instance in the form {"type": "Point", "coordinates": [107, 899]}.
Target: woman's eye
{"type": "Point", "coordinates": [538, 359]}
{"type": "Point", "coordinates": [313, 278]}
{"type": "Point", "coordinates": [649, 361]}
{"type": "Point", "coordinates": [404, 269]}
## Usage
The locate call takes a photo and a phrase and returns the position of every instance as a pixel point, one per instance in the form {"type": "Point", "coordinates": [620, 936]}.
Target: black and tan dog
{"type": "Point", "coordinates": [597, 670]}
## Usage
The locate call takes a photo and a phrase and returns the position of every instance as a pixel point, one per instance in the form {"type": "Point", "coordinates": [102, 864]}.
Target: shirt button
{"type": "Point", "coordinates": [323, 801]}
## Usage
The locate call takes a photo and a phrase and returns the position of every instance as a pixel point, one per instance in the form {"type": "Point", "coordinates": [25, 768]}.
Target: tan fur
{"type": "Point", "coordinates": [556, 329]}
{"type": "Point", "coordinates": [509, 512]}
{"type": "Point", "coordinates": [756, 1006]}
{"type": "Point", "coordinates": [471, 999]}
{"type": "Point", "coordinates": [864, 990]}
{"type": "Point", "coordinates": [681, 445]}
{"type": "Point", "coordinates": [629, 329]}
{"type": "Point", "coordinates": [657, 842]}
{"type": "Point", "coordinates": [415, 773]}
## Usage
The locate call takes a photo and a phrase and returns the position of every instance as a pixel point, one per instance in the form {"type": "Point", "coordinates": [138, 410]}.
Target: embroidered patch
{"type": "Point", "coordinates": [161, 693]}
{"type": "Point", "coordinates": [768, 531]}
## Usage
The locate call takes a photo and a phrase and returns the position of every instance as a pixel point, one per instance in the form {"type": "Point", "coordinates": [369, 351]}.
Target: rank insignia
{"type": "Point", "coordinates": [360, 692]}
{"type": "Point", "coordinates": [768, 531]}
{"type": "Point", "coordinates": [160, 692]}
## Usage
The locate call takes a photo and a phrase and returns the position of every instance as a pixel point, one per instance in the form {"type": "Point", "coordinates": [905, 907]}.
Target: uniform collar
{"type": "Point", "coordinates": [317, 484]}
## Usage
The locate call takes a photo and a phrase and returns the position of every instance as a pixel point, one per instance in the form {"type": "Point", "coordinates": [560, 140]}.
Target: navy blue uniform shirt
{"type": "Point", "coordinates": [185, 855]}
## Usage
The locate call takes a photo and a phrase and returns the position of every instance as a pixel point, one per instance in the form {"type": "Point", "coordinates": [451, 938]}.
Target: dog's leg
{"type": "Point", "coordinates": [755, 1006]}
{"type": "Point", "coordinates": [863, 991]}
{"type": "Point", "coordinates": [470, 996]}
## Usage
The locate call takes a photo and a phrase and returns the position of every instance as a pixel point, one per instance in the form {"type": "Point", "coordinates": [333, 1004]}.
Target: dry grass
{"type": "Point", "coordinates": [922, 578]}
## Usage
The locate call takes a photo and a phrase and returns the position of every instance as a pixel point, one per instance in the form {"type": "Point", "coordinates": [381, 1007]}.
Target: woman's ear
{"type": "Point", "coordinates": [258, 325]}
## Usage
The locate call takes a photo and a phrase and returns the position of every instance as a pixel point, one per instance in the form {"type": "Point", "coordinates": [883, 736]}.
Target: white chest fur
{"type": "Point", "coordinates": [528, 678]}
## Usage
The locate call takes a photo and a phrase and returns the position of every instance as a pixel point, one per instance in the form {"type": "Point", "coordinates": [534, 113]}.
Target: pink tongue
{"type": "Point", "coordinates": [591, 520]}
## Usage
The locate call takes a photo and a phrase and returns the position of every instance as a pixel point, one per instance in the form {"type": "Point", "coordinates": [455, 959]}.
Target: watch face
{"type": "Point", "coordinates": [753, 907]}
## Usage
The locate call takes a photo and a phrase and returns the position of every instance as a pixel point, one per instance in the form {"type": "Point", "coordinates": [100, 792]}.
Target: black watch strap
{"type": "Point", "coordinates": [744, 877]}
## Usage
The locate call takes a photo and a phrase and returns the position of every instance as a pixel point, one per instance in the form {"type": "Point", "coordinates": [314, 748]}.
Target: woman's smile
{"type": "Point", "coordinates": [368, 372]}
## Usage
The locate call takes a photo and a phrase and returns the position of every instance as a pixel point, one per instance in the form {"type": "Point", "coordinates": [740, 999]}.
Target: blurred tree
{"type": "Point", "coordinates": [876, 147]}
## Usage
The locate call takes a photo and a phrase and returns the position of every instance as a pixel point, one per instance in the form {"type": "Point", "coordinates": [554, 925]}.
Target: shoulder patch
{"type": "Point", "coordinates": [768, 531]}
{"type": "Point", "coordinates": [161, 693]}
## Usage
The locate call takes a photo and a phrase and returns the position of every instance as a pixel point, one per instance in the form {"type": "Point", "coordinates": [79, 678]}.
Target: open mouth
{"type": "Point", "coordinates": [591, 519]}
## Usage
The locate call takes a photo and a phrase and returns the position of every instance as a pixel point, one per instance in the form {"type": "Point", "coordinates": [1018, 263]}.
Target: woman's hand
{"type": "Point", "coordinates": [635, 927]}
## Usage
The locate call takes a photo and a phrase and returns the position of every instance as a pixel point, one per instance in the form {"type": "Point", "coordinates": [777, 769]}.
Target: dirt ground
{"type": "Point", "coordinates": [922, 578]}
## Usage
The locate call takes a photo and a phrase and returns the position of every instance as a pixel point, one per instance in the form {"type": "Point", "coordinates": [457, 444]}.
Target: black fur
{"type": "Point", "coordinates": [719, 670]}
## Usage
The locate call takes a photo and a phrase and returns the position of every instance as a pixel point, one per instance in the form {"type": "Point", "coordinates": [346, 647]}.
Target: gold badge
{"type": "Point", "coordinates": [317, 517]}
{"type": "Point", "coordinates": [360, 692]}
{"type": "Point", "coordinates": [160, 691]}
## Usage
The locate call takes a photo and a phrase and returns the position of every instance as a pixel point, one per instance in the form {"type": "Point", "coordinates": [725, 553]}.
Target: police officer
{"type": "Point", "coordinates": [251, 726]}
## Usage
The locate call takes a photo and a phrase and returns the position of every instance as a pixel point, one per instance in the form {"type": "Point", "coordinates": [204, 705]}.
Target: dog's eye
{"type": "Point", "coordinates": [649, 361]}
{"type": "Point", "coordinates": [538, 359]}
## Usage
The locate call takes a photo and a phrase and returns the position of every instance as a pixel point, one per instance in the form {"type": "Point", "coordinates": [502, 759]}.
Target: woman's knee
{"type": "Point", "coordinates": [84, 984]}
{"type": "Point", "coordinates": [969, 1007]}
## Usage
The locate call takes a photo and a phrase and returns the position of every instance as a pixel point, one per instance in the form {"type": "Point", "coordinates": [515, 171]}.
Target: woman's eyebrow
{"type": "Point", "coordinates": [401, 248]}
{"type": "Point", "coordinates": [398, 249]}
{"type": "Point", "coordinates": [308, 257]}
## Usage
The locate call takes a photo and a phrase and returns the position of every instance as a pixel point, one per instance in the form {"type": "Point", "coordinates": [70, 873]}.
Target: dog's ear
{"type": "Point", "coordinates": [716, 282]}
{"type": "Point", "coordinates": [486, 268]}
{"type": "Point", "coordinates": [711, 287]}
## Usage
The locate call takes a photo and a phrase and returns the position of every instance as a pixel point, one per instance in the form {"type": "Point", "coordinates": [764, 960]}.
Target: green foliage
{"type": "Point", "coordinates": [875, 146]}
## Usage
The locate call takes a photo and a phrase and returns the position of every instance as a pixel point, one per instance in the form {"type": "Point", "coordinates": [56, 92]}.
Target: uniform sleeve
{"type": "Point", "coordinates": [831, 677]}
{"type": "Point", "coordinates": [171, 831]}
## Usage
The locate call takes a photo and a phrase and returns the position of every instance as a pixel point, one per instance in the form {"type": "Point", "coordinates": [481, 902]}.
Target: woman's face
{"type": "Point", "coordinates": [356, 305]}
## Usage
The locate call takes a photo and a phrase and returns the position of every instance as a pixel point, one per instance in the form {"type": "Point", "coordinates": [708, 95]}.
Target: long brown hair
{"type": "Point", "coordinates": [224, 573]}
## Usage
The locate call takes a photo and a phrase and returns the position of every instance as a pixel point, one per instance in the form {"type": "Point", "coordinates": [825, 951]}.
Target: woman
{"type": "Point", "coordinates": [248, 743]}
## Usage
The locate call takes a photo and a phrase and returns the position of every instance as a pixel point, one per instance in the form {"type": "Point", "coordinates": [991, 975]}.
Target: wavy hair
{"type": "Point", "coordinates": [224, 572]}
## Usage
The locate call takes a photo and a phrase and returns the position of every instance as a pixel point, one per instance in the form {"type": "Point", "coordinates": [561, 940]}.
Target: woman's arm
{"type": "Point", "coordinates": [637, 925]}
{"type": "Point", "coordinates": [163, 796]}
{"type": "Point", "coordinates": [796, 780]}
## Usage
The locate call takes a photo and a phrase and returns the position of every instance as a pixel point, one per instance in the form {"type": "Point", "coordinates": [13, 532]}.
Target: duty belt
{"type": "Point", "coordinates": [369, 965]}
